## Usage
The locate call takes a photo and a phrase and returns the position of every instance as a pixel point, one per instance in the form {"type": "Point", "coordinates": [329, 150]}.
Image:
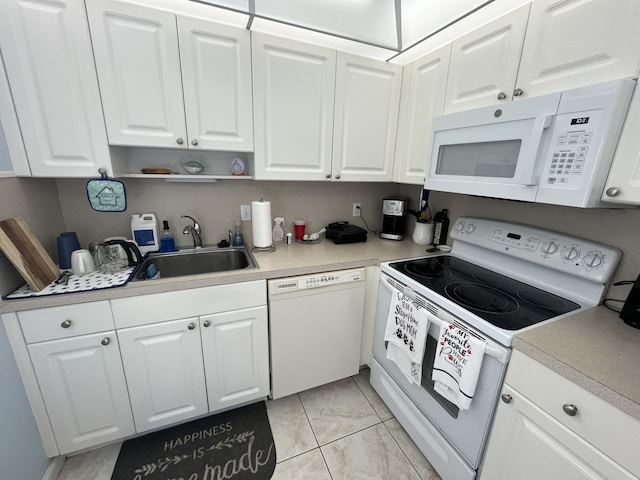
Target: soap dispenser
{"type": "Point", "coordinates": [238, 239]}
{"type": "Point", "coordinates": [278, 233]}
{"type": "Point", "coordinates": [167, 242]}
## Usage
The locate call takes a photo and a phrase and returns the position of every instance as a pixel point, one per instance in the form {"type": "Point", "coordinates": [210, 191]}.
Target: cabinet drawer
{"type": "Point", "coordinates": [67, 321]}
{"type": "Point", "coordinates": [608, 429]}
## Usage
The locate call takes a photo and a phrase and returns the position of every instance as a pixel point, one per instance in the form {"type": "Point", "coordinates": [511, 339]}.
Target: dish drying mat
{"type": "Point", "coordinates": [77, 283]}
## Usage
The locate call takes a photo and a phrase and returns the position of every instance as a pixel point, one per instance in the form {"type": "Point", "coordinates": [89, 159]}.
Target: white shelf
{"type": "Point", "coordinates": [187, 178]}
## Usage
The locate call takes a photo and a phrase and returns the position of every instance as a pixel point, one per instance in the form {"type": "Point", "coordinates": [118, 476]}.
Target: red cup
{"type": "Point", "coordinates": [298, 228]}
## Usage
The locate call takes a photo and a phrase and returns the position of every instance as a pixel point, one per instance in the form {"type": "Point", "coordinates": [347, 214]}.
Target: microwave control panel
{"type": "Point", "coordinates": [573, 148]}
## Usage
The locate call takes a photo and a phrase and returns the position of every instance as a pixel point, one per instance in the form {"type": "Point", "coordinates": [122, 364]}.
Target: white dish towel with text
{"type": "Point", "coordinates": [457, 365]}
{"type": "Point", "coordinates": [406, 334]}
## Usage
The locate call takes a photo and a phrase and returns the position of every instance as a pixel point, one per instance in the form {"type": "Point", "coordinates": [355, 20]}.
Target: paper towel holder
{"type": "Point", "coordinates": [270, 248]}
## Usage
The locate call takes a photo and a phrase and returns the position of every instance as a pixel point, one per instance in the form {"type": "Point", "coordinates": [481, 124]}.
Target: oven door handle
{"type": "Point", "coordinates": [500, 353]}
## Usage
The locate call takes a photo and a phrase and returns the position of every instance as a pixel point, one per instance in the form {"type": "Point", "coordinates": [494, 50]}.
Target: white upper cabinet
{"type": "Point", "coordinates": [623, 183]}
{"type": "Point", "coordinates": [10, 130]}
{"type": "Point", "coordinates": [423, 89]}
{"type": "Point", "coordinates": [142, 87]}
{"type": "Point", "coordinates": [47, 54]}
{"type": "Point", "coordinates": [216, 74]}
{"type": "Point", "coordinates": [573, 43]}
{"type": "Point", "coordinates": [365, 119]}
{"type": "Point", "coordinates": [294, 90]}
{"type": "Point", "coordinates": [484, 63]}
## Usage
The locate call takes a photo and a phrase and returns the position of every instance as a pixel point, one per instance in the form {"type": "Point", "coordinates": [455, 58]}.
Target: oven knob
{"type": "Point", "coordinates": [593, 260]}
{"type": "Point", "coordinates": [571, 253]}
{"type": "Point", "coordinates": [459, 226]}
{"type": "Point", "coordinates": [550, 247]}
{"type": "Point", "coordinates": [470, 228]}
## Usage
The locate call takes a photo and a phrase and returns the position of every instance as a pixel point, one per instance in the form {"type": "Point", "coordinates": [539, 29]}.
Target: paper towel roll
{"type": "Point", "coordinates": [261, 223]}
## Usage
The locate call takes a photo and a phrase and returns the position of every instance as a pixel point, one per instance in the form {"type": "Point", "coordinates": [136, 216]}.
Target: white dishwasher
{"type": "Point", "coordinates": [315, 329]}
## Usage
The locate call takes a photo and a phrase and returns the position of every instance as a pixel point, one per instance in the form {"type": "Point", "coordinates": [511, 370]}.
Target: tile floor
{"type": "Point", "coordinates": [340, 431]}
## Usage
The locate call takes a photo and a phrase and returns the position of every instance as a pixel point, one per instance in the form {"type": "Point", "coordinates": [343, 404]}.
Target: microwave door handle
{"type": "Point", "coordinates": [529, 174]}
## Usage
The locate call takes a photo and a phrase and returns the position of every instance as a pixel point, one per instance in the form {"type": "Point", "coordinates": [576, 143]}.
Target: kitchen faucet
{"type": "Point", "coordinates": [194, 231]}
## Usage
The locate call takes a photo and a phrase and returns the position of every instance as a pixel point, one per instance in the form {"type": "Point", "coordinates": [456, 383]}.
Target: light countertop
{"type": "Point", "coordinates": [594, 349]}
{"type": "Point", "coordinates": [287, 260]}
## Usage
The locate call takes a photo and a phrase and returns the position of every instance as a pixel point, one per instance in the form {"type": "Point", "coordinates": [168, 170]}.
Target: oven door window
{"type": "Point", "coordinates": [426, 383]}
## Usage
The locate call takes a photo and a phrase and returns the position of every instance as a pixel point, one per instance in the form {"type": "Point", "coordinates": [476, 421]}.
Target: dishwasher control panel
{"type": "Point", "coordinates": [284, 285]}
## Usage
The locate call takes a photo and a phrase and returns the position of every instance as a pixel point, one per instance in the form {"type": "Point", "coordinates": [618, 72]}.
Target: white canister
{"type": "Point", "coordinates": [423, 233]}
{"type": "Point", "coordinates": [144, 228]}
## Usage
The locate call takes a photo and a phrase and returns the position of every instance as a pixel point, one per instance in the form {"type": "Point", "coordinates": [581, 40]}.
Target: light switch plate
{"type": "Point", "coordinates": [245, 212]}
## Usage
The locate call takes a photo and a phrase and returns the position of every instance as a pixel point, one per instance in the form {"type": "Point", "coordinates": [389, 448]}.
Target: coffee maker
{"type": "Point", "coordinates": [393, 218]}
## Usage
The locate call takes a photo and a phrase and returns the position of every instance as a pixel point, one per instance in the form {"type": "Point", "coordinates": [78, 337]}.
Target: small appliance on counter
{"type": "Point", "coordinates": [393, 218]}
{"type": "Point", "coordinates": [631, 310]}
{"type": "Point", "coordinates": [342, 232]}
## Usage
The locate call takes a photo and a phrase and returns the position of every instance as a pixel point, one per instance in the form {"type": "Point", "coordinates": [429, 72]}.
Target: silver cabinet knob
{"type": "Point", "coordinates": [328, 175]}
{"type": "Point", "coordinates": [191, 326]}
{"type": "Point", "coordinates": [194, 142]}
{"type": "Point", "coordinates": [337, 177]}
{"type": "Point", "coordinates": [106, 341]}
{"type": "Point", "coordinates": [502, 96]}
{"type": "Point", "coordinates": [506, 398]}
{"type": "Point", "coordinates": [518, 92]}
{"type": "Point", "coordinates": [570, 409]}
{"type": "Point", "coordinates": [179, 141]}
{"type": "Point", "coordinates": [613, 192]}
{"type": "Point", "coordinates": [66, 324]}
{"type": "Point", "coordinates": [206, 323]}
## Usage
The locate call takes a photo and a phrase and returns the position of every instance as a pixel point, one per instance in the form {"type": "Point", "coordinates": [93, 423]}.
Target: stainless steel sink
{"type": "Point", "coordinates": [196, 261]}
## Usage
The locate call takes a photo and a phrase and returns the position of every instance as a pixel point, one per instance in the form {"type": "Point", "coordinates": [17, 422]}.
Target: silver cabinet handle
{"type": "Point", "coordinates": [337, 177]}
{"type": "Point", "coordinates": [502, 96]}
{"type": "Point", "coordinates": [506, 398]}
{"type": "Point", "coordinates": [613, 192]}
{"type": "Point", "coordinates": [191, 326]}
{"type": "Point", "coordinates": [570, 409]}
{"type": "Point", "coordinates": [106, 341]}
{"type": "Point", "coordinates": [66, 324]}
{"type": "Point", "coordinates": [206, 323]}
{"type": "Point", "coordinates": [194, 142]}
{"type": "Point", "coordinates": [179, 141]}
{"type": "Point", "coordinates": [328, 175]}
{"type": "Point", "coordinates": [518, 92]}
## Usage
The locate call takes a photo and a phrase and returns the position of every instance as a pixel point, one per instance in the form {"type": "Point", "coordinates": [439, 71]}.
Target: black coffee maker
{"type": "Point", "coordinates": [393, 218]}
{"type": "Point", "coordinates": [631, 310]}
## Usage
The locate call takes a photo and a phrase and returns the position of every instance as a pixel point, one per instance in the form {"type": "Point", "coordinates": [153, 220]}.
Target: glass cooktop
{"type": "Point", "coordinates": [496, 298]}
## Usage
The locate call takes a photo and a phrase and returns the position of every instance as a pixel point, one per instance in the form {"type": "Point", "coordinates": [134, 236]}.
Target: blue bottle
{"type": "Point", "coordinates": [167, 242]}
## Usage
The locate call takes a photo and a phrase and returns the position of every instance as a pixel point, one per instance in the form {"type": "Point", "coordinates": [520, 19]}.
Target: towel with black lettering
{"type": "Point", "coordinates": [406, 334]}
{"type": "Point", "coordinates": [457, 365]}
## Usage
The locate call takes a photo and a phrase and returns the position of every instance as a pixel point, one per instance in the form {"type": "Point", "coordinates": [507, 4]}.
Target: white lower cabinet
{"type": "Point", "coordinates": [163, 365]}
{"type": "Point", "coordinates": [548, 427]}
{"type": "Point", "coordinates": [236, 356]}
{"type": "Point", "coordinates": [84, 389]}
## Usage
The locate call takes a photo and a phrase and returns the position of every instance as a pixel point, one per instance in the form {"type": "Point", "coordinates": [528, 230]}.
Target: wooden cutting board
{"type": "Point", "coordinates": [27, 254]}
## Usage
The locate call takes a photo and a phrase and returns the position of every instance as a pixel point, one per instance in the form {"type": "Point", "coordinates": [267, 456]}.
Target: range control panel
{"type": "Point", "coordinates": [559, 251]}
{"type": "Point", "coordinates": [285, 285]}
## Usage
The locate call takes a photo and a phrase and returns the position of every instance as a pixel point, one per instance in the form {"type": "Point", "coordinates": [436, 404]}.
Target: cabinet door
{"type": "Point", "coordinates": [623, 182]}
{"type": "Point", "coordinates": [366, 118]}
{"type": "Point", "coordinates": [573, 43]}
{"type": "Point", "coordinates": [10, 130]}
{"type": "Point", "coordinates": [424, 85]}
{"type": "Point", "coordinates": [294, 85]}
{"type": "Point", "coordinates": [216, 73]}
{"type": "Point", "coordinates": [484, 63]}
{"type": "Point", "coordinates": [136, 52]}
{"type": "Point", "coordinates": [47, 53]}
{"type": "Point", "coordinates": [236, 356]}
{"type": "Point", "coordinates": [84, 389]}
{"type": "Point", "coordinates": [164, 370]}
{"type": "Point", "coordinates": [528, 444]}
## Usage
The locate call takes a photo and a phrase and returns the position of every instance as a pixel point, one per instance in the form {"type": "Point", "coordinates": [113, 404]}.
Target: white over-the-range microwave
{"type": "Point", "coordinates": [554, 149]}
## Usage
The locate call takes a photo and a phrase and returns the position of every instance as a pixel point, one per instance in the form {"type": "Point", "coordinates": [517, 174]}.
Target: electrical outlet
{"type": "Point", "coordinates": [356, 209]}
{"type": "Point", "coordinates": [245, 212]}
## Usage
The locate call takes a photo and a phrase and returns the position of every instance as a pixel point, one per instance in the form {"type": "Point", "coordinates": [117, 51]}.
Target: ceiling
{"type": "Point", "coordinates": [392, 25]}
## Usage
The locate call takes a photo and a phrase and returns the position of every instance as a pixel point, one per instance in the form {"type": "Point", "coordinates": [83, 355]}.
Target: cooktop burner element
{"type": "Point", "coordinates": [500, 300]}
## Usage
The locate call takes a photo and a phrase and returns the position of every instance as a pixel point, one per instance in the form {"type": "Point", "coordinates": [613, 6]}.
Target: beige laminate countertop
{"type": "Point", "coordinates": [594, 349]}
{"type": "Point", "coordinates": [287, 260]}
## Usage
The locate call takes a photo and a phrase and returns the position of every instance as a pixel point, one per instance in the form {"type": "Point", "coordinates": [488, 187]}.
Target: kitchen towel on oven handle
{"type": "Point", "coordinates": [406, 333]}
{"type": "Point", "coordinates": [457, 363]}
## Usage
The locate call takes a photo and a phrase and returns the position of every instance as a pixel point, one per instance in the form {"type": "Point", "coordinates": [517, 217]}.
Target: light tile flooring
{"type": "Point", "coordinates": [340, 431]}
